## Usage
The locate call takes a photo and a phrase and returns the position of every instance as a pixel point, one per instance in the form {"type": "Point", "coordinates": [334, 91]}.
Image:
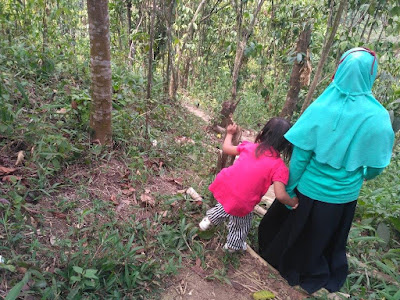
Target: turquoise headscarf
{"type": "Point", "coordinates": [346, 127]}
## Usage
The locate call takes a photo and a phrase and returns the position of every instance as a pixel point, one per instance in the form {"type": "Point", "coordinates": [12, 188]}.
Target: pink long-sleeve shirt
{"type": "Point", "coordinates": [241, 186]}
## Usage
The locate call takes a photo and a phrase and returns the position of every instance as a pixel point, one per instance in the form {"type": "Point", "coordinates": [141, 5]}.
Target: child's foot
{"type": "Point", "coordinates": [230, 250]}
{"type": "Point", "coordinates": [205, 224]}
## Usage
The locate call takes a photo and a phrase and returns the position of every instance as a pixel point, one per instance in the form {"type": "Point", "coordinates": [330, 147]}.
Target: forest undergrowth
{"type": "Point", "coordinates": [82, 221]}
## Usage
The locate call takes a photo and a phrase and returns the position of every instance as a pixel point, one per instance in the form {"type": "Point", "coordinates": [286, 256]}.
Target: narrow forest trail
{"type": "Point", "coordinates": [252, 274]}
{"type": "Point", "coordinates": [247, 135]}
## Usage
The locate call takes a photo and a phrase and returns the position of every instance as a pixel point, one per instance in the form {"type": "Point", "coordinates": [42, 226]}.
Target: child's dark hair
{"type": "Point", "coordinates": [271, 136]}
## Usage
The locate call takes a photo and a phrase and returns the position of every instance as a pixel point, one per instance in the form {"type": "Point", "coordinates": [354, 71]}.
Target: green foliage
{"type": "Point", "coordinates": [373, 241]}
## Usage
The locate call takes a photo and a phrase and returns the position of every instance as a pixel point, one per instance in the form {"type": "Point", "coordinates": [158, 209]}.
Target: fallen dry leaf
{"type": "Point", "coordinates": [114, 200]}
{"type": "Point", "coordinates": [4, 201]}
{"type": "Point", "coordinates": [52, 240]}
{"type": "Point", "coordinates": [4, 170]}
{"type": "Point", "coordinates": [21, 270]}
{"type": "Point", "coordinates": [11, 178]}
{"type": "Point", "coordinates": [147, 199]}
{"type": "Point", "coordinates": [178, 181]}
{"type": "Point", "coordinates": [123, 203]}
{"type": "Point", "coordinates": [74, 104]}
{"type": "Point", "coordinates": [129, 191]}
{"type": "Point", "coordinates": [62, 111]}
{"type": "Point", "coordinates": [59, 215]}
{"type": "Point", "coordinates": [34, 223]}
{"type": "Point", "coordinates": [20, 157]}
{"type": "Point", "coordinates": [198, 262]}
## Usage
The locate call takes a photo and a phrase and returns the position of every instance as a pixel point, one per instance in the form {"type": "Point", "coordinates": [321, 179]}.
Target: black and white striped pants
{"type": "Point", "coordinates": [238, 227]}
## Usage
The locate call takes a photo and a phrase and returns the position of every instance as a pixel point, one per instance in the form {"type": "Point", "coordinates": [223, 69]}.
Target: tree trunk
{"type": "Point", "coordinates": [225, 160]}
{"type": "Point", "coordinates": [44, 29]}
{"type": "Point", "coordinates": [185, 73]}
{"type": "Point", "coordinates": [150, 57]}
{"type": "Point", "coordinates": [298, 67]}
{"type": "Point", "coordinates": [150, 65]}
{"type": "Point", "coordinates": [100, 63]}
{"type": "Point", "coordinates": [324, 55]}
{"type": "Point", "coordinates": [129, 17]}
{"type": "Point", "coordinates": [170, 76]}
{"type": "Point", "coordinates": [228, 107]}
{"type": "Point", "coordinates": [175, 79]}
{"type": "Point", "coordinates": [365, 27]}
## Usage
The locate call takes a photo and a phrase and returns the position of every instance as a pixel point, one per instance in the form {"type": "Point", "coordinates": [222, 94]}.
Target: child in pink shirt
{"type": "Point", "coordinates": [241, 186]}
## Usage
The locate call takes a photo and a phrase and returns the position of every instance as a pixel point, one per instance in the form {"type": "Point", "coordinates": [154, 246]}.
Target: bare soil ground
{"type": "Point", "coordinates": [250, 276]}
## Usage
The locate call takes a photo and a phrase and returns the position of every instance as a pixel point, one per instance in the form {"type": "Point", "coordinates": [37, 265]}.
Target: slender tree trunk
{"type": "Point", "coordinates": [151, 54]}
{"type": "Point", "coordinates": [189, 34]}
{"type": "Point", "coordinates": [295, 84]}
{"type": "Point", "coordinates": [170, 76]}
{"type": "Point", "coordinates": [365, 27]}
{"type": "Point", "coordinates": [384, 24]}
{"type": "Point", "coordinates": [324, 54]}
{"type": "Point", "coordinates": [44, 29]}
{"type": "Point", "coordinates": [150, 65]}
{"type": "Point", "coordinates": [373, 22]}
{"type": "Point", "coordinates": [229, 107]}
{"type": "Point", "coordinates": [100, 63]}
{"type": "Point", "coordinates": [186, 67]}
{"type": "Point", "coordinates": [129, 17]}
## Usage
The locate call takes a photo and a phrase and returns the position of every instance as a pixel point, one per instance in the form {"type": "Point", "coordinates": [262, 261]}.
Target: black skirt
{"type": "Point", "coordinates": [308, 245]}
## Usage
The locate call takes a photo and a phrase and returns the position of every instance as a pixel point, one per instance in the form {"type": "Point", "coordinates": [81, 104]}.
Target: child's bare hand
{"type": "Point", "coordinates": [231, 129]}
{"type": "Point", "coordinates": [295, 203]}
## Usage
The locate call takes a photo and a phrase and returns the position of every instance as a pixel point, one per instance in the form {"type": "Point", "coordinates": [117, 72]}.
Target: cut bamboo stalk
{"type": "Point", "coordinates": [195, 196]}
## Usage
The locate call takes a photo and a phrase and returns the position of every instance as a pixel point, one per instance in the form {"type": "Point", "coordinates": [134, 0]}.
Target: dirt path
{"type": "Point", "coordinates": [247, 135]}
{"type": "Point", "coordinates": [197, 282]}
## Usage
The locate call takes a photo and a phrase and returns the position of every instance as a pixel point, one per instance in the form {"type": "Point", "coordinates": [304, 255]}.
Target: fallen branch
{"type": "Point", "coordinates": [218, 129]}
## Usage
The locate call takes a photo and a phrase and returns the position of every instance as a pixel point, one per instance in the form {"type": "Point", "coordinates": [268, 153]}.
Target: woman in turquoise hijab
{"type": "Point", "coordinates": [342, 139]}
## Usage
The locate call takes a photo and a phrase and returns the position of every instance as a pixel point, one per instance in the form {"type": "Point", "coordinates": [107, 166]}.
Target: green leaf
{"type": "Point", "coordinates": [395, 11]}
{"type": "Point", "coordinates": [383, 232]}
{"type": "Point", "coordinates": [74, 279]}
{"type": "Point", "coordinates": [207, 235]}
{"type": "Point", "coordinates": [10, 268]}
{"type": "Point", "coordinates": [263, 295]}
{"type": "Point", "coordinates": [90, 273]}
{"type": "Point", "coordinates": [77, 269]}
{"type": "Point", "coordinates": [395, 222]}
{"type": "Point", "coordinates": [16, 290]}
{"type": "Point", "coordinates": [89, 283]}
